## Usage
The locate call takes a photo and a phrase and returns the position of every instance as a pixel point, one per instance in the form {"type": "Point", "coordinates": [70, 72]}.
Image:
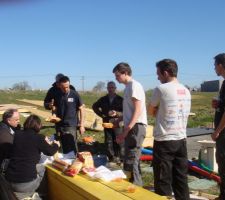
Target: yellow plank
{"type": "Point", "coordinates": [149, 131]}
{"type": "Point", "coordinates": [59, 191]}
{"type": "Point", "coordinates": [140, 193]}
{"type": "Point", "coordinates": [81, 187]}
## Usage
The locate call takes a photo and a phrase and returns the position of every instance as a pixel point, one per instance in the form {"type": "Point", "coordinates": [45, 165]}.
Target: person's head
{"type": "Point", "coordinates": [166, 70]}
{"type": "Point", "coordinates": [11, 117]}
{"type": "Point", "coordinates": [57, 78]}
{"type": "Point", "coordinates": [122, 72]}
{"type": "Point", "coordinates": [64, 84]}
{"type": "Point", "coordinates": [33, 122]}
{"type": "Point", "coordinates": [111, 87]}
{"type": "Point", "coordinates": [220, 64]}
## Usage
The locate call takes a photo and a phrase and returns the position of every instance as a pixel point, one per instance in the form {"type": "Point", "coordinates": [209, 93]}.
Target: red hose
{"type": "Point", "coordinates": [146, 158]}
{"type": "Point", "coordinates": [205, 173]}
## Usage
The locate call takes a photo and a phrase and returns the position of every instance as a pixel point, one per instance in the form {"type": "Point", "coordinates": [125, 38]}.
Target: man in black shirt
{"type": "Point", "coordinates": [8, 125]}
{"type": "Point", "coordinates": [219, 122]}
{"type": "Point", "coordinates": [53, 92]}
{"type": "Point", "coordinates": [68, 105]}
{"type": "Point", "coordinates": [109, 108]}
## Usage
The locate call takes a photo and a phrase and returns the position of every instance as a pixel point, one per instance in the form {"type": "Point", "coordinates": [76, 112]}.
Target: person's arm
{"type": "Point", "coordinates": [220, 127]}
{"type": "Point", "coordinates": [153, 105]}
{"type": "Point", "coordinates": [133, 121]}
{"type": "Point", "coordinates": [47, 148]}
{"type": "Point", "coordinates": [48, 100]}
{"type": "Point", "coordinates": [96, 108]}
{"type": "Point", "coordinates": [81, 117]}
{"type": "Point", "coordinates": [152, 110]}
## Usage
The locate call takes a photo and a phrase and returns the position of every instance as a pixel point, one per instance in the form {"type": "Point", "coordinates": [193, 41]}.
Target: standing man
{"type": "Point", "coordinates": [8, 125]}
{"type": "Point", "coordinates": [170, 104]}
{"type": "Point", "coordinates": [53, 92]}
{"type": "Point", "coordinates": [68, 105]}
{"type": "Point", "coordinates": [109, 108]}
{"type": "Point", "coordinates": [219, 122]}
{"type": "Point", "coordinates": [135, 121]}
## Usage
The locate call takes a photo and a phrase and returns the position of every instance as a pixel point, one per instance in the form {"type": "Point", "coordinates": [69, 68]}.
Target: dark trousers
{"type": "Point", "coordinates": [170, 167]}
{"type": "Point", "coordinates": [220, 159]}
{"type": "Point", "coordinates": [133, 144]}
{"type": "Point", "coordinates": [113, 149]}
{"type": "Point", "coordinates": [68, 138]}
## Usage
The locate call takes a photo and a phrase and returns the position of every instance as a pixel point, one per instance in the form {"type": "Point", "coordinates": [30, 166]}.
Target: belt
{"type": "Point", "coordinates": [140, 124]}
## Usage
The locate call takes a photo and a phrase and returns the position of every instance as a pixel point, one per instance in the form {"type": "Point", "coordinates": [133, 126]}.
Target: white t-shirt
{"type": "Point", "coordinates": [133, 89]}
{"type": "Point", "coordinates": [174, 102]}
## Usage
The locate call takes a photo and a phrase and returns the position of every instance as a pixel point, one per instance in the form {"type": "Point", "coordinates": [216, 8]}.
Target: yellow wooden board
{"type": "Point", "coordinates": [81, 187]}
{"type": "Point", "coordinates": [149, 131]}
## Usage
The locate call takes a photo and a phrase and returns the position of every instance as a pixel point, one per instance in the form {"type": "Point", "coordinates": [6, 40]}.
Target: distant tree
{"type": "Point", "coordinates": [21, 86]}
{"type": "Point", "coordinates": [187, 87]}
{"type": "Point", "coordinates": [99, 86]}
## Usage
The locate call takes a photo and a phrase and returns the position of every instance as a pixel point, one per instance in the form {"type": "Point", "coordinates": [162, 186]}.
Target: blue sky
{"type": "Point", "coordinates": [40, 38]}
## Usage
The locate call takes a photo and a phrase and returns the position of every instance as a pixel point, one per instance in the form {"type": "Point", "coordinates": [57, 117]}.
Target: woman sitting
{"type": "Point", "coordinates": [23, 174]}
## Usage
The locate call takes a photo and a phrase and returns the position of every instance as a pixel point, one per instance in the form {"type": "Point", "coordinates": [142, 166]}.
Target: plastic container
{"type": "Point", "coordinates": [207, 154]}
{"type": "Point", "coordinates": [100, 160]}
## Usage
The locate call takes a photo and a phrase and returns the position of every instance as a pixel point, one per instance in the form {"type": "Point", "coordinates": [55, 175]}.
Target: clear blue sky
{"type": "Point", "coordinates": [40, 38]}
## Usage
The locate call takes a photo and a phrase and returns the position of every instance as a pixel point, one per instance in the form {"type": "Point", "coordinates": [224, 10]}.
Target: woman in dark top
{"type": "Point", "coordinates": [22, 173]}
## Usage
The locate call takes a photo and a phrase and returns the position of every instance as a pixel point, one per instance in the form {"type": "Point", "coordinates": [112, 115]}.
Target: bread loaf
{"type": "Point", "coordinates": [60, 164]}
{"type": "Point", "coordinates": [86, 158]}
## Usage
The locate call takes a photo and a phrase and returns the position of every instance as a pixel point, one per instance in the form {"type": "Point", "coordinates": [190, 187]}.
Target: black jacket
{"type": "Point", "coordinates": [6, 140]}
{"type": "Point", "coordinates": [52, 93]}
{"type": "Point", "coordinates": [102, 106]}
{"type": "Point", "coordinates": [67, 107]}
{"type": "Point", "coordinates": [26, 151]}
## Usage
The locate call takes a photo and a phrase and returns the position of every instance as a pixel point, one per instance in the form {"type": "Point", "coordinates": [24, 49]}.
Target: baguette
{"type": "Point", "coordinates": [107, 125]}
{"type": "Point", "coordinates": [60, 165]}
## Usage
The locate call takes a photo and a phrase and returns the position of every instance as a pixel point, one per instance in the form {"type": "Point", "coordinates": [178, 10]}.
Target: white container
{"type": "Point", "coordinates": [207, 153]}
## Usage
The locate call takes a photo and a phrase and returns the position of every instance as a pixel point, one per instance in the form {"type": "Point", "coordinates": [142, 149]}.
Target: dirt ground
{"type": "Point", "coordinates": [193, 146]}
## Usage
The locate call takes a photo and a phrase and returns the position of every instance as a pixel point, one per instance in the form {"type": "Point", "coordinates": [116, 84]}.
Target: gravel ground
{"type": "Point", "coordinates": [193, 146]}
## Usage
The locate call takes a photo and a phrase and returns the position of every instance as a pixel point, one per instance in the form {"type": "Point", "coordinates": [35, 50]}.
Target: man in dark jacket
{"type": "Point", "coordinates": [109, 108]}
{"type": "Point", "coordinates": [8, 125]}
{"type": "Point", "coordinates": [68, 105]}
{"type": "Point", "coordinates": [53, 92]}
{"type": "Point", "coordinates": [219, 132]}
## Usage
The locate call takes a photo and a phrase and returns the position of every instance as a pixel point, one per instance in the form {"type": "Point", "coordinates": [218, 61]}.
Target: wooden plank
{"type": "Point", "coordinates": [191, 132]}
{"type": "Point", "coordinates": [140, 193]}
{"type": "Point", "coordinates": [91, 120]}
{"type": "Point", "coordinates": [78, 187]}
{"type": "Point", "coordinates": [81, 187]}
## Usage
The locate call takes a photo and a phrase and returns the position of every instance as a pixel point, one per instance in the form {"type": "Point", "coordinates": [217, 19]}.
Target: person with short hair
{"type": "Point", "coordinates": [109, 108]}
{"type": "Point", "coordinates": [135, 121]}
{"type": "Point", "coordinates": [219, 122]}
{"type": "Point", "coordinates": [23, 173]}
{"type": "Point", "coordinates": [53, 92]}
{"type": "Point", "coordinates": [68, 106]}
{"type": "Point", "coordinates": [170, 103]}
{"type": "Point", "coordinates": [8, 125]}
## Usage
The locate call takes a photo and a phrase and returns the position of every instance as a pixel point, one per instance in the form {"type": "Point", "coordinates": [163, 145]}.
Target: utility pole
{"type": "Point", "coordinates": [82, 80]}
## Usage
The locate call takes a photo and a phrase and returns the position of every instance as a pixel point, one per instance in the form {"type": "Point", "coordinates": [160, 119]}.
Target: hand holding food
{"type": "Point", "coordinates": [53, 119]}
{"type": "Point", "coordinates": [107, 125]}
{"type": "Point", "coordinates": [112, 113]}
